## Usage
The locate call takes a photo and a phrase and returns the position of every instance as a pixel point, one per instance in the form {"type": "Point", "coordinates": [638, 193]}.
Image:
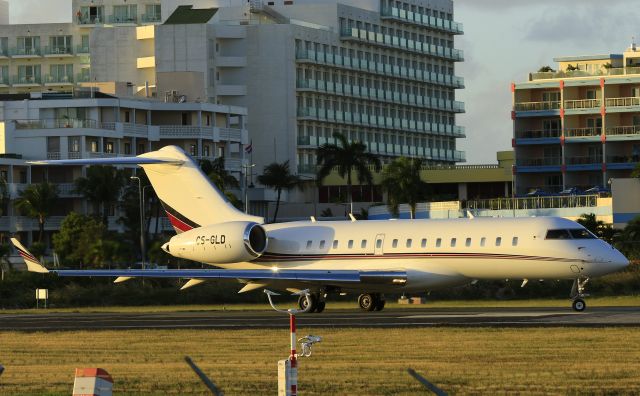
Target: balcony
{"type": "Point", "coordinates": [26, 81]}
{"type": "Point", "coordinates": [307, 169]}
{"type": "Point", "coordinates": [91, 20]}
{"type": "Point", "coordinates": [58, 51]}
{"type": "Point", "coordinates": [151, 18]}
{"type": "Point", "coordinates": [540, 161]}
{"type": "Point", "coordinates": [582, 104]}
{"type": "Point", "coordinates": [616, 71]}
{"type": "Point", "coordinates": [231, 134]}
{"type": "Point", "coordinates": [58, 80]}
{"type": "Point", "coordinates": [186, 131]}
{"type": "Point", "coordinates": [81, 49]}
{"type": "Point", "coordinates": [55, 123]}
{"type": "Point", "coordinates": [623, 130]}
{"type": "Point", "coordinates": [582, 132]}
{"type": "Point", "coordinates": [4, 81]}
{"type": "Point", "coordinates": [382, 69]}
{"type": "Point", "coordinates": [622, 162]}
{"type": "Point", "coordinates": [539, 134]}
{"type": "Point", "coordinates": [537, 106]}
{"type": "Point", "coordinates": [233, 164]}
{"type": "Point", "coordinates": [421, 19]}
{"type": "Point", "coordinates": [623, 102]}
{"type": "Point", "coordinates": [29, 52]}
{"type": "Point", "coordinates": [396, 42]}
{"type": "Point", "coordinates": [123, 19]}
{"type": "Point", "coordinates": [231, 61]}
{"type": "Point", "coordinates": [231, 90]}
{"type": "Point", "coordinates": [584, 160]}
{"type": "Point", "coordinates": [4, 53]}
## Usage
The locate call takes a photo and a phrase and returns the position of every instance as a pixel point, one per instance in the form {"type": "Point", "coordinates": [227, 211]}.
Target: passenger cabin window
{"type": "Point", "coordinates": [394, 244]}
{"type": "Point", "coordinates": [438, 242]}
{"type": "Point", "coordinates": [309, 244]}
{"type": "Point", "coordinates": [514, 241]}
{"type": "Point", "coordinates": [321, 244]}
{"type": "Point", "coordinates": [467, 243]}
{"type": "Point", "coordinates": [498, 241]}
{"type": "Point", "coordinates": [558, 234]}
{"type": "Point", "coordinates": [453, 242]}
{"type": "Point", "coordinates": [409, 241]}
{"type": "Point", "coordinates": [378, 243]}
{"type": "Point", "coordinates": [423, 243]}
{"type": "Point", "coordinates": [335, 243]}
{"type": "Point", "coordinates": [363, 244]}
{"type": "Point", "coordinates": [483, 241]}
{"type": "Point", "coordinates": [350, 244]}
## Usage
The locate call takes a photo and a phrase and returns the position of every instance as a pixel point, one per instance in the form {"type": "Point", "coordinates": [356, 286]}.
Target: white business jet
{"type": "Point", "coordinates": [365, 257]}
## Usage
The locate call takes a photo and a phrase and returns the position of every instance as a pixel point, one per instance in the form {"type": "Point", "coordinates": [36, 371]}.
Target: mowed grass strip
{"type": "Point", "coordinates": [620, 301]}
{"type": "Point", "coordinates": [348, 361]}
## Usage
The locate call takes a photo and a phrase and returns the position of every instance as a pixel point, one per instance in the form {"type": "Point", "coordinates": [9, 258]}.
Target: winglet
{"type": "Point", "coordinates": [33, 264]}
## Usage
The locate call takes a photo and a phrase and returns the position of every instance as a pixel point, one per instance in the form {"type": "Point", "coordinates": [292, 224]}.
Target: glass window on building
{"type": "Point", "coordinates": [152, 13]}
{"type": "Point", "coordinates": [61, 73]}
{"type": "Point", "coordinates": [90, 15]}
{"type": "Point", "coordinates": [109, 148]}
{"type": "Point", "coordinates": [4, 45]}
{"type": "Point", "coordinates": [193, 150]}
{"type": "Point", "coordinates": [29, 73]}
{"type": "Point", "coordinates": [125, 13]}
{"type": "Point", "coordinates": [28, 45]}
{"type": "Point", "coordinates": [60, 44]}
{"type": "Point", "coordinates": [127, 148]}
{"type": "Point", "coordinates": [74, 144]}
{"type": "Point", "coordinates": [53, 144]}
{"type": "Point", "coordinates": [551, 96]}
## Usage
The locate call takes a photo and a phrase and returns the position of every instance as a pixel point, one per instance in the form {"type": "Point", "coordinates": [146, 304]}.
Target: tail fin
{"type": "Point", "coordinates": [33, 264]}
{"type": "Point", "coordinates": [187, 194]}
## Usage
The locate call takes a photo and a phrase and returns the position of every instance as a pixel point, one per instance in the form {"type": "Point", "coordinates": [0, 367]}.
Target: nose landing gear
{"type": "Point", "coordinates": [317, 302]}
{"type": "Point", "coordinates": [371, 302]}
{"type": "Point", "coordinates": [578, 294]}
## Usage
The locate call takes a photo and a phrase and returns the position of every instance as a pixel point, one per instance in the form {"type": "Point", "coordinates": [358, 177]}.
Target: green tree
{"type": "Point", "coordinates": [5, 264]}
{"type": "Point", "coordinates": [636, 171]}
{"type": "Point", "coordinates": [597, 227]}
{"type": "Point", "coordinates": [102, 187]}
{"type": "Point", "coordinates": [628, 240]}
{"type": "Point", "coordinates": [401, 180]}
{"type": "Point", "coordinates": [38, 201]}
{"type": "Point", "coordinates": [546, 69]}
{"type": "Point", "coordinates": [278, 177]}
{"type": "Point", "coordinates": [76, 239]}
{"type": "Point", "coordinates": [347, 157]}
{"type": "Point", "coordinates": [222, 179]}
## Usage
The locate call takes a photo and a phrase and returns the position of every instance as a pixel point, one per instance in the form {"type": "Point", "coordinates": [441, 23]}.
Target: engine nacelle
{"type": "Point", "coordinates": [222, 243]}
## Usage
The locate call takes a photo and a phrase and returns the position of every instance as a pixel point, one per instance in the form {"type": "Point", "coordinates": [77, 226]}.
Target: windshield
{"type": "Point", "coordinates": [573, 233]}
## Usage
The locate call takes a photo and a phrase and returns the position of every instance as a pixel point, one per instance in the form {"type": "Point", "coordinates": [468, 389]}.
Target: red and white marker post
{"type": "Point", "coordinates": [293, 359]}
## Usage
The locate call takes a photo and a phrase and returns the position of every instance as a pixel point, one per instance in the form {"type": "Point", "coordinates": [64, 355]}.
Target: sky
{"type": "Point", "coordinates": [504, 40]}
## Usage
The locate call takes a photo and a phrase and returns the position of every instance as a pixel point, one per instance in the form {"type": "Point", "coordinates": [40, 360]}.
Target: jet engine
{"type": "Point", "coordinates": [222, 243]}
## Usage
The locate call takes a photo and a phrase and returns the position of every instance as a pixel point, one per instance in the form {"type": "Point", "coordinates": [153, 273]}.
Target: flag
{"type": "Point", "coordinates": [249, 148]}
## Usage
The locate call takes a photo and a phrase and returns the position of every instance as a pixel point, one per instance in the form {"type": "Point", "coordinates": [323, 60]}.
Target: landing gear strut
{"type": "Point", "coordinates": [578, 294]}
{"type": "Point", "coordinates": [371, 302]}
{"type": "Point", "coordinates": [317, 302]}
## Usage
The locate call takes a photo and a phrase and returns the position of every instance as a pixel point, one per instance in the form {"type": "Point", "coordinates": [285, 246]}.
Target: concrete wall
{"type": "Point", "coordinates": [113, 54]}
{"type": "Point", "coordinates": [626, 201]}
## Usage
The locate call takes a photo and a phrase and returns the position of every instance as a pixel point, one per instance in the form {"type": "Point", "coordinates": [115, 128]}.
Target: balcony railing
{"type": "Point", "coordinates": [572, 201]}
{"type": "Point", "coordinates": [49, 79]}
{"type": "Point", "coordinates": [122, 19]}
{"type": "Point", "coordinates": [537, 106]}
{"type": "Point", "coordinates": [543, 161]}
{"type": "Point", "coordinates": [26, 80]}
{"type": "Point", "coordinates": [29, 51]}
{"type": "Point", "coordinates": [386, 40]}
{"type": "Point", "coordinates": [4, 52]}
{"type": "Point", "coordinates": [582, 104]}
{"type": "Point", "coordinates": [54, 123]}
{"type": "Point", "coordinates": [384, 69]}
{"type": "Point", "coordinates": [233, 134]}
{"type": "Point", "coordinates": [53, 155]}
{"type": "Point", "coordinates": [538, 134]}
{"type": "Point", "coordinates": [582, 132]}
{"type": "Point", "coordinates": [422, 19]}
{"type": "Point", "coordinates": [623, 102]}
{"type": "Point", "coordinates": [186, 131]}
{"type": "Point", "coordinates": [4, 80]}
{"type": "Point", "coordinates": [90, 20]}
{"type": "Point", "coordinates": [58, 50]}
{"type": "Point", "coordinates": [307, 169]}
{"type": "Point", "coordinates": [81, 49]}
{"type": "Point", "coordinates": [624, 130]}
{"type": "Point", "coordinates": [584, 160]}
{"type": "Point", "coordinates": [148, 18]}
{"type": "Point", "coordinates": [623, 159]}
{"type": "Point", "coordinates": [616, 71]}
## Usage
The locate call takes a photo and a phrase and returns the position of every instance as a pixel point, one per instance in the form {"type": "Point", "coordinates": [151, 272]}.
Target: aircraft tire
{"type": "Point", "coordinates": [579, 305]}
{"type": "Point", "coordinates": [320, 306]}
{"type": "Point", "coordinates": [367, 302]}
{"type": "Point", "coordinates": [302, 302]}
{"type": "Point", "coordinates": [380, 305]}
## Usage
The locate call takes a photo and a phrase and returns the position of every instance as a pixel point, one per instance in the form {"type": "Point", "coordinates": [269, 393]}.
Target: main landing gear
{"type": "Point", "coordinates": [317, 302]}
{"type": "Point", "coordinates": [578, 294]}
{"type": "Point", "coordinates": [371, 302]}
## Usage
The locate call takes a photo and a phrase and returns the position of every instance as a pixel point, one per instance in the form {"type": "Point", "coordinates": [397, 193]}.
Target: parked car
{"type": "Point", "coordinates": [572, 191]}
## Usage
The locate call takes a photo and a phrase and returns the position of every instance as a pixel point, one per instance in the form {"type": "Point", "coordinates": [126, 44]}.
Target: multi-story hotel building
{"type": "Point", "coordinates": [579, 125]}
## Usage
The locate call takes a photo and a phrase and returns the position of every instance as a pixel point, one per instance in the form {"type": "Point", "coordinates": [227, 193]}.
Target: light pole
{"type": "Point", "coordinates": [141, 217]}
{"type": "Point", "coordinates": [245, 168]}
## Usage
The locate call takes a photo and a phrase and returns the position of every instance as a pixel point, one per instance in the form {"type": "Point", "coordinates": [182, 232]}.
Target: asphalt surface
{"type": "Point", "coordinates": [459, 317]}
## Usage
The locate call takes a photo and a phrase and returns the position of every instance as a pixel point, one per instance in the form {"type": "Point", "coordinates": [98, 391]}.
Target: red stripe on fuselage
{"type": "Point", "coordinates": [179, 225]}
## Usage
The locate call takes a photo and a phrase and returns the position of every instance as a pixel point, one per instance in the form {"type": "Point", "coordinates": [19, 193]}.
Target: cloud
{"type": "Point", "coordinates": [39, 11]}
{"type": "Point", "coordinates": [511, 4]}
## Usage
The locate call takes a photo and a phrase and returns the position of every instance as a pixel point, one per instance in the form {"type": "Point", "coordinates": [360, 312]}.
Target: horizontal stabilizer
{"type": "Point", "coordinates": [110, 161]}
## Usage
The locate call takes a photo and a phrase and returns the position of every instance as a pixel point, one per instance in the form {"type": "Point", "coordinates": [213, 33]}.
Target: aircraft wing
{"type": "Point", "coordinates": [312, 276]}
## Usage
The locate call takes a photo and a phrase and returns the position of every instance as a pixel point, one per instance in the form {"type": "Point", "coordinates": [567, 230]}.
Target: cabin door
{"type": "Point", "coordinates": [379, 244]}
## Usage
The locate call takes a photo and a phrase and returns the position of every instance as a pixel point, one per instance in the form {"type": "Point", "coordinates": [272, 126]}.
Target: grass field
{"type": "Point", "coordinates": [348, 361]}
{"type": "Point", "coordinates": [622, 301]}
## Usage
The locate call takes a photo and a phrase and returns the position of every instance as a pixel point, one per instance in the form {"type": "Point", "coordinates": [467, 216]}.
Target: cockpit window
{"type": "Point", "coordinates": [581, 233]}
{"type": "Point", "coordinates": [558, 234]}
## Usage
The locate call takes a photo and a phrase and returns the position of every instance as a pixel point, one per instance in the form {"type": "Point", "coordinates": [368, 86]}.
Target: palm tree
{"type": "Point", "coordinates": [279, 177]}
{"type": "Point", "coordinates": [628, 240]}
{"type": "Point", "coordinates": [401, 180]}
{"type": "Point", "coordinates": [221, 178]}
{"type": "Point", "coordinates": [347, 157]}
{"type": "Point", "coordinates": [38, 201]}
{"type": "Point", "coordinates": [102, 187]}
{"type": "Point", "coordinates": [597, 227]}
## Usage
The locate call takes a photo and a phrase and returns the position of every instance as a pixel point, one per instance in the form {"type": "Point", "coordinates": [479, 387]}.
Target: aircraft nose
{"type": "Point", "coordinates": [166, 248]}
